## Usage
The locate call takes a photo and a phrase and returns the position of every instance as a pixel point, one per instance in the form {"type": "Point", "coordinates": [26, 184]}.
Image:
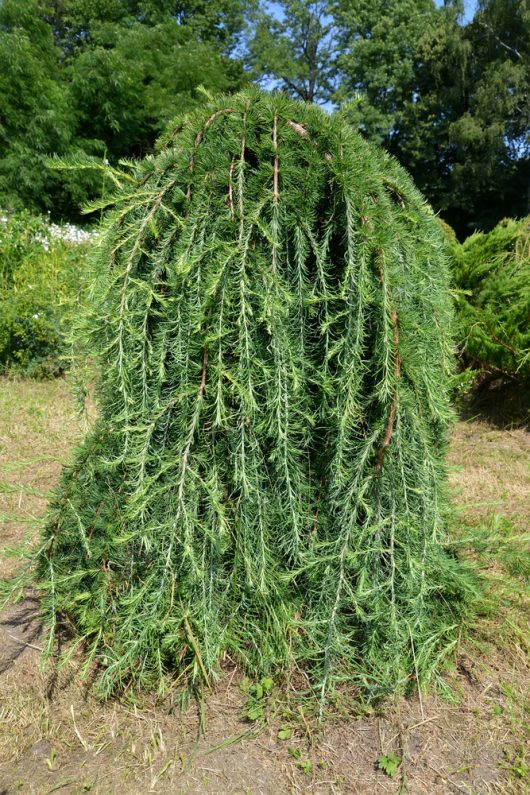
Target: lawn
{"type": "Point", "coordinates": [469, 736]}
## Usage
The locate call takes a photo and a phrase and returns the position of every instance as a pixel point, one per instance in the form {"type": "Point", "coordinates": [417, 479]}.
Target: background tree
{"type": "Point", "coordinates": [101, 78]}
{"type": "Point", "coordinates": [35, 115]}
{"type": "Point", "coordinates": [132, 81]}
{"type": "Point", "coordinates": [490, 132]}
{"type": "Point", "coordinates": [379, 55]}
{"type": "Point", "coordinates": [450, 100]}
{"type": "Point", "coordinates": [291, 47]}
{"type": "Point", "coordinates": [216, 21]}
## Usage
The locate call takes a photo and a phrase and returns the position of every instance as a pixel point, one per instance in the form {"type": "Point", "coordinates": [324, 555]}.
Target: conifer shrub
{"type": "Point", "coordinates": [270, 315]}
{"type": "Point", "coordinates": [492, 272]}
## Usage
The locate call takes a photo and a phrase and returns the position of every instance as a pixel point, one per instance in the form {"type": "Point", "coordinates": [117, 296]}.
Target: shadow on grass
{"type": "Point", "coordinates": [505, 405]}
{"type": "Point", "coordinates": [22, 627]}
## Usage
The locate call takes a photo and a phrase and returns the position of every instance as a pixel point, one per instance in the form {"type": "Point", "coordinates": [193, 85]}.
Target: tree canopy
{"type": "Point", "coordinates": [100, 78]}
{"type": "Point", "coordinates": [293, 48]}
{"type": "Point", "coordinates": [450, 100]}
{"type": "Point", "coordinates": [448, 96]}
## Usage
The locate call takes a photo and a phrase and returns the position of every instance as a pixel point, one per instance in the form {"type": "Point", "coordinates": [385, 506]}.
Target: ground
{"type": "Point", "coordinates": [469, 736]}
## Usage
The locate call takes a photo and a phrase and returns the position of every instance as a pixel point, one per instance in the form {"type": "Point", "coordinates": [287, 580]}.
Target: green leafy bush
{"type": "Point", "coordinates": [40, 278]}
{"type": "Point", "coordinates": [492, 274]}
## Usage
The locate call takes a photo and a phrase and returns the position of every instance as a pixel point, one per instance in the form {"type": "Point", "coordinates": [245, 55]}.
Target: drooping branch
{"type": "Point", "coordinates": [197, 142]}
{"type": "Point", "coordinates": [231, 189]}
{"type": "Point", "coordinates": [275, 147]}
{"type": "Point", "coordinates": [241, 168]}
{"type": "Point", "coordinates": [387, 437]}
{"type": "Point", "coordinates": [389, 429]}
{"type": "Point", "coordinates": [202, 386]}
{"type": "Point", "coordinates": [124, 290]}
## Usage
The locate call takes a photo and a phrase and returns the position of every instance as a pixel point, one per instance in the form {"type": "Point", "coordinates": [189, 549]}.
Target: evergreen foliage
{"type": "Point", "coordinates": [269, 311]}
{"type": "Point", "coordinates": [493, 304]}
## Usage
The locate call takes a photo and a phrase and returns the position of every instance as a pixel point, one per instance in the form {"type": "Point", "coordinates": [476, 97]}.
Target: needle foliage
{"type": "Point", "coordinates": [270, 316]}
{"type": "Point", "coordinates": [492, 272]}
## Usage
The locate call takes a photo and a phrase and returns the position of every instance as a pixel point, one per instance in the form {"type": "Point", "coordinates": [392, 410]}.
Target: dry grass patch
{"type": "Point", "coordinates": [54, 736]}
{"type": "Point", "coordinates": [38, 426]}
{"type": "Point", "coordinates": [491, 472]}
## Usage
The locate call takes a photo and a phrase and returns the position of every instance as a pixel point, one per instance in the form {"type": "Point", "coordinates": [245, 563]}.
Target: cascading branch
{"type": "Point", "coordinates": [270, 315]}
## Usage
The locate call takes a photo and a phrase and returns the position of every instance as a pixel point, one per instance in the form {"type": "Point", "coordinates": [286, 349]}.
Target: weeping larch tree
{"type": "Point", "coordinates": [270, 316]}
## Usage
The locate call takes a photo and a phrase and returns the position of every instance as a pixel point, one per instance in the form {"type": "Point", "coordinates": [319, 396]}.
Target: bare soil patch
{"type": "Point", "coordinates": [55, 737]}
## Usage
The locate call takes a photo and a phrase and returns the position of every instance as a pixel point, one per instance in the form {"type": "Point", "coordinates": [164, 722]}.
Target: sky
{"type": "Point", "coordinates": [469, 8]}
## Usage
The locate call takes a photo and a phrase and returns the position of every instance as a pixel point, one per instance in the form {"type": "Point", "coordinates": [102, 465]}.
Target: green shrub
{"type": "Point", "coordinates": [492, 274]}
{"type": "Point", "coordinates": [270, 313]}
{"type": "Point", "coordinates": [21, 234]}
{"type": "Point", "coordinates": [40, 278]}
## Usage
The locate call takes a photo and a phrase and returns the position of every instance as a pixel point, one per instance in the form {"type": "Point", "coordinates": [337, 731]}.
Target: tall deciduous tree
{"type": "Point", "coordinates": [380, 52]}
{"type": "Point", "coordinates": [451, 101]}
{"type": "Point", "coordinates": [36, 116]}
{"type": "Point", "coordinates": [291, 47]}
{"type": "Point", "coordinates": [219, 22]}
{"type": "Point", "coordinates": [101, 78]}
{"type": "Point", "coordinates": [131, 82]}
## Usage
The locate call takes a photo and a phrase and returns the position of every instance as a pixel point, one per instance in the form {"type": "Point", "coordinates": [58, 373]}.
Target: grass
{"type": "Point", "coordinates": [37, 429]}
{"type": "Point", "coordinates": [474, 740]}
{"type": "Point", "coordinates": [491, 483]}
{"type": "Point", "coordinates": [490, 473]}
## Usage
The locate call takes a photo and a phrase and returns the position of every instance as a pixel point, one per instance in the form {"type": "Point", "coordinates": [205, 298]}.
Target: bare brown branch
{"type": "Point", "coordinates": [298, 128]}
